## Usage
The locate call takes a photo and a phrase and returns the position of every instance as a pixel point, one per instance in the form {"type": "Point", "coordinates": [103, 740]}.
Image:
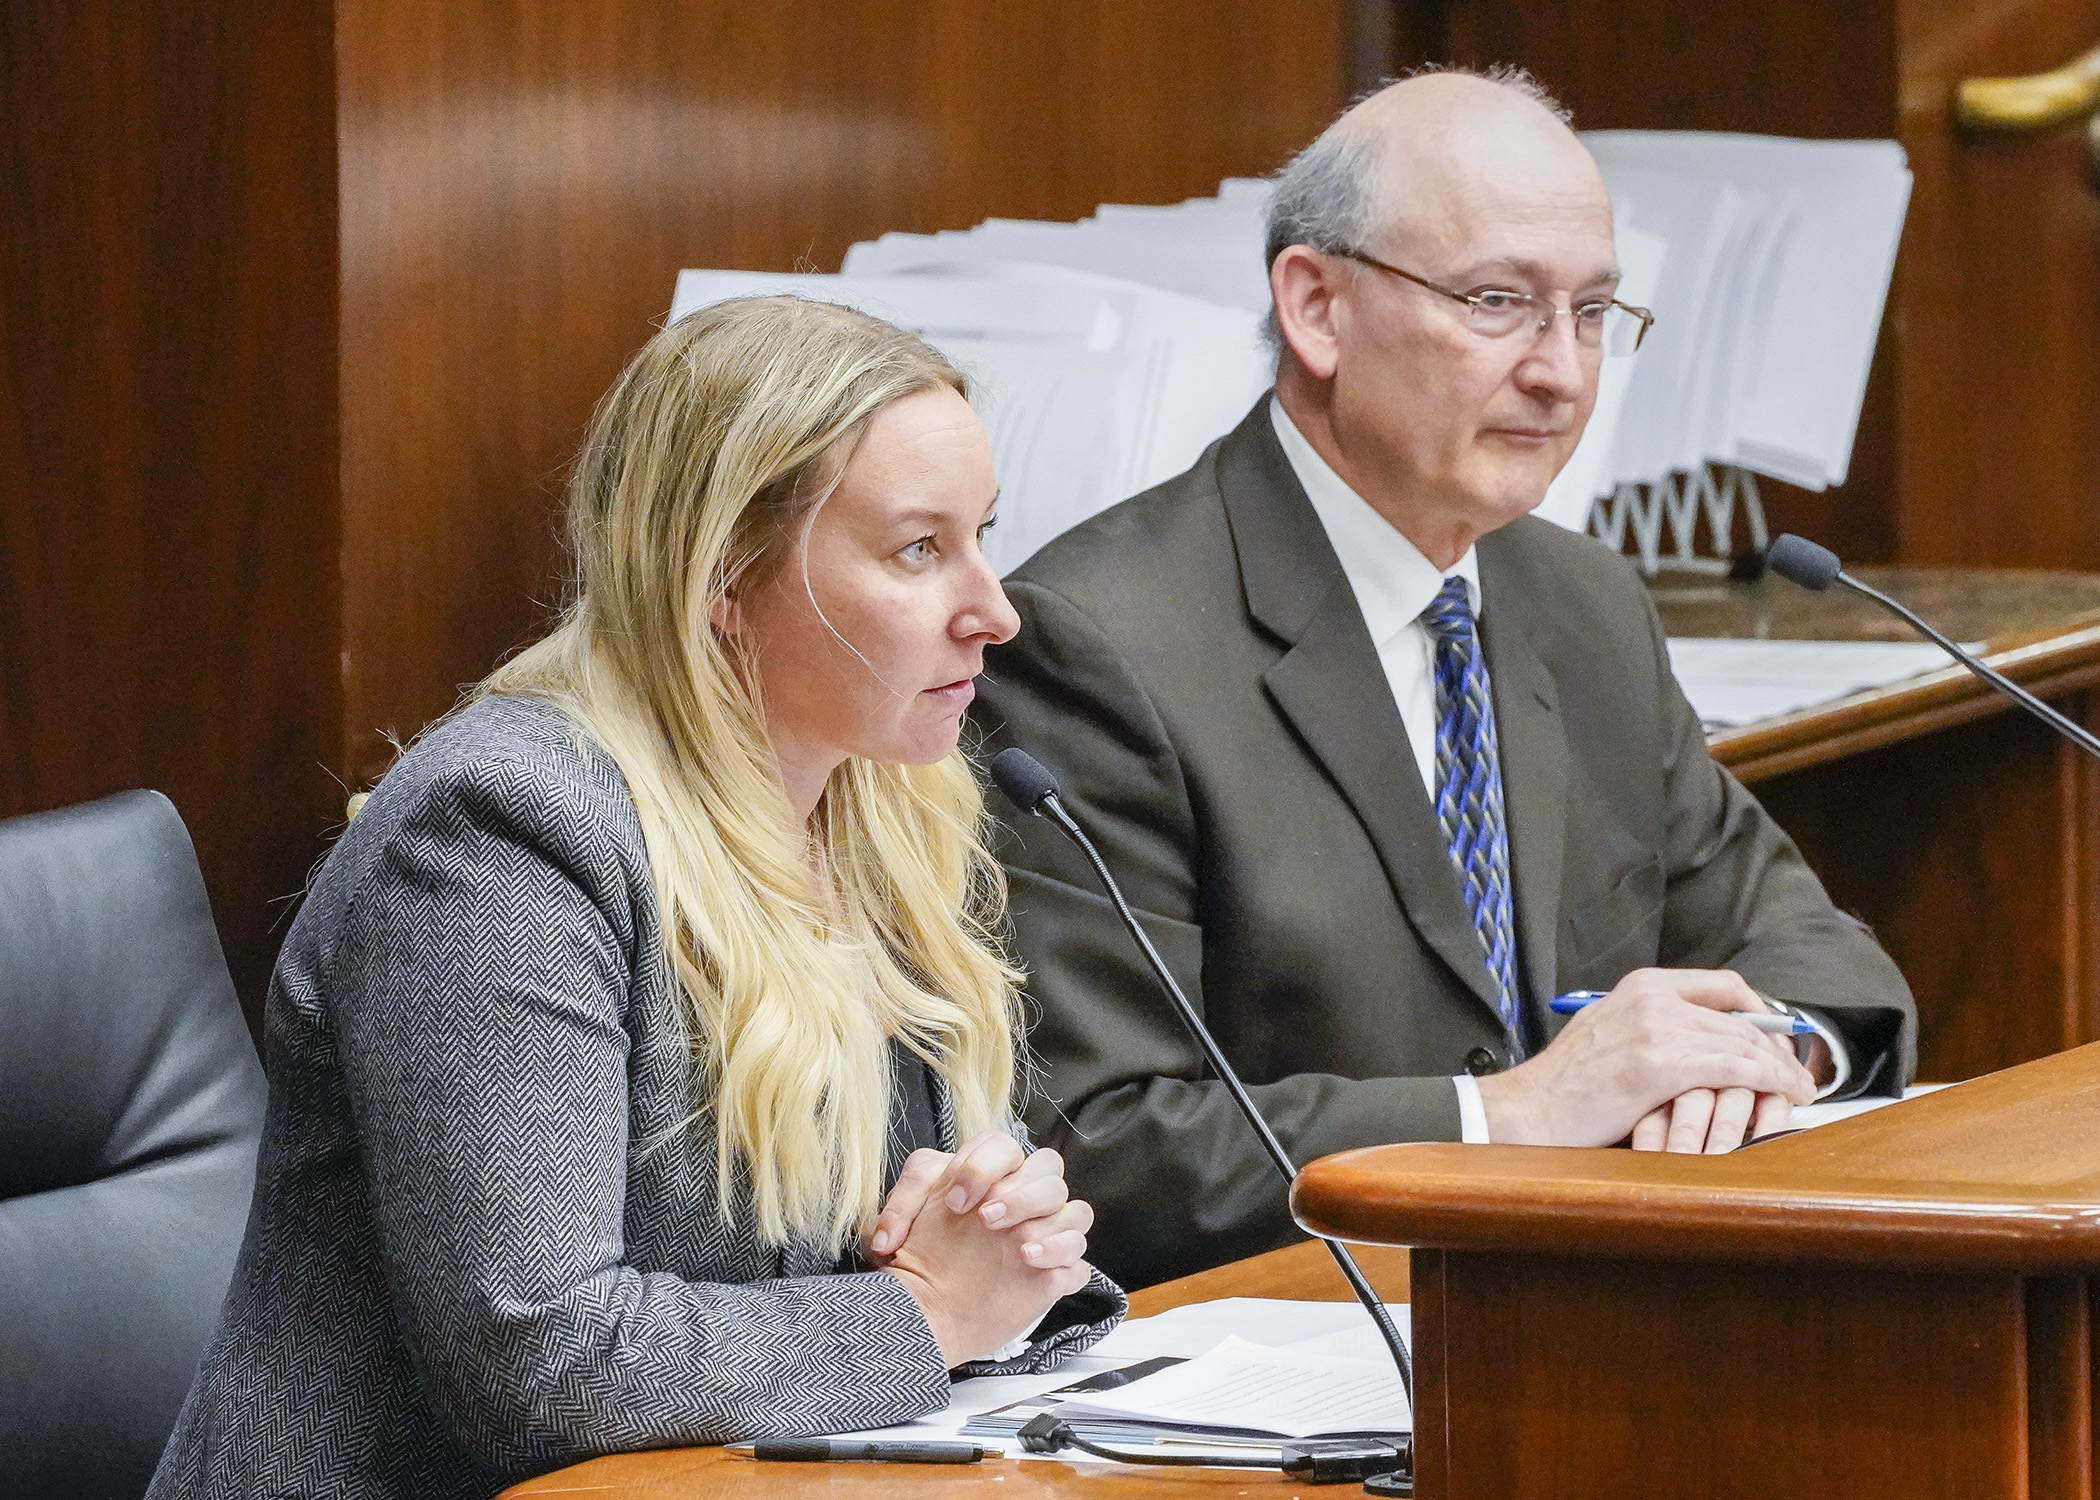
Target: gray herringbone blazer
{"type": "Point", "coordinates": [481, 1247]}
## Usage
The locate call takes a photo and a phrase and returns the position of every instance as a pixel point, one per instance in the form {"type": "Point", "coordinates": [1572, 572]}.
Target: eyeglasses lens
{"type": "Point", "coordinates": [1610, 327]}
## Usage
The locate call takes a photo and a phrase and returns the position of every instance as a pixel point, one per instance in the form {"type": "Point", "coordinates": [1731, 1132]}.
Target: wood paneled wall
{"type": "Point", "coordinates": [1998, 358]}
{"type": "Point", "coordinates": [1980, 442]}
{"type": "Point", "coordinates": [168, 534]}
{"type": "Point", "coordinates": [305, 306]}
{"type": "Point", "coordinates": [522, 181]}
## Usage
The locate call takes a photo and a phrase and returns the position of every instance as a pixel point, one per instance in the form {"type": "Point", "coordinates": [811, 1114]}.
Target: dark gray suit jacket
{"type": "Point", "coordinates": [1194, 667]}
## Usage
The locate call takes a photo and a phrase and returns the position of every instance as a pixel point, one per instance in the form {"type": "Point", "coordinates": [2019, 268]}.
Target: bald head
{"type": "Point", "coordinates": [1423, 141]}
{"type": "Point", "coordinates": [1442, 149]}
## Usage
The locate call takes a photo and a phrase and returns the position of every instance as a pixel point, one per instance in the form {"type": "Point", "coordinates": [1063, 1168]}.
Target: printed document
{"type": "Point", "coordinates": [1733, 682]}
{"type": "Point", "coordinates": [1245, 1388]}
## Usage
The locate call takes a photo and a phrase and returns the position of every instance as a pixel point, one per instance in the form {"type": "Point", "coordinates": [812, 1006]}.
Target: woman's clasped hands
{"type": "Point", "coordinates": [985, 1240]}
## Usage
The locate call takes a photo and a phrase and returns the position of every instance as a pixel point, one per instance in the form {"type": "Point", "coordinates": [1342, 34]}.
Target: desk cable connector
{"type": "Point", "coordinates": [1339, 1462]}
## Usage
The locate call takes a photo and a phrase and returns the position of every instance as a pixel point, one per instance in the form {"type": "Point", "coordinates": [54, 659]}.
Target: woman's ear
{"type": "Point", "coordinates": [726, 616]}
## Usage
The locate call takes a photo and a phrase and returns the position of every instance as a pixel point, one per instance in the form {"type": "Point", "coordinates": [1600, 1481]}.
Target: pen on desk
{"type": "Point", "coordinates": [858, 1450]}
{"type": "Point", "coordinates": [1574, 1000]}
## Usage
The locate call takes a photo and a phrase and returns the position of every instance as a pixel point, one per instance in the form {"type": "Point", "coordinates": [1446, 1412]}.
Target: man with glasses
{"type": "Point", "coordinates": [1386, 763]}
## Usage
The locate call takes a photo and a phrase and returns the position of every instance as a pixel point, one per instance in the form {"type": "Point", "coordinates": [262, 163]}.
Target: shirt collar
{"type": "Point", "coordinates": [1392, 580]}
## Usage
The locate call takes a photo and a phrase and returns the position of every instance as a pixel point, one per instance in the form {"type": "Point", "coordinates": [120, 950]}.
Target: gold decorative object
{"type": "Point", "coordinates": [2042, 101]}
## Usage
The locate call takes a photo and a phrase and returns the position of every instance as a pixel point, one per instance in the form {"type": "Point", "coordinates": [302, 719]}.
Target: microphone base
{"type": "Point", "coordinates": [1401, 1484]}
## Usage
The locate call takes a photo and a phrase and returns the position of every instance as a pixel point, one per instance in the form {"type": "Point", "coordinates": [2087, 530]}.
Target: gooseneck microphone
{"type": "Point", "coordinates": [1032, 789]}
{"type": "Point", "coordinates": [1815, 568]}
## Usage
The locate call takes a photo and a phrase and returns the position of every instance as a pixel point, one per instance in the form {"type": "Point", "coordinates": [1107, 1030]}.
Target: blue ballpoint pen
{"type": "Point", "coordinates": [1574, 1000]}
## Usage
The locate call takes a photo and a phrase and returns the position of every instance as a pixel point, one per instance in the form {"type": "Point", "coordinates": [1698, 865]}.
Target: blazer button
{"type": "Point", "coordinates": [1482, 1060]}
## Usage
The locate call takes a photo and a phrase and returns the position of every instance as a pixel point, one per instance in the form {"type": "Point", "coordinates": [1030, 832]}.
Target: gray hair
{"type": "Point", "coordinates": [1325, 196]}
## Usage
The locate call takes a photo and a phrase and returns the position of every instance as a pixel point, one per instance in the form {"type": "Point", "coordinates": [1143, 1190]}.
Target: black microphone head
{"type": "Point", "coordinates": [1799, 560]}
{"type": "Point", "coordinates": [1025, 780]}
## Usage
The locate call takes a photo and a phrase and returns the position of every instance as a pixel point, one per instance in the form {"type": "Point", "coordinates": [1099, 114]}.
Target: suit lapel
{"type": "Point", "coordinates": [1534, 760]}
{"type": "Point", "coordinates": [1333, 691]}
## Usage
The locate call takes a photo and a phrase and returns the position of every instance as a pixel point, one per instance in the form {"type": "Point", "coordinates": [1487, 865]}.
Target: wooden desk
{"type": "Point", "coordinates": [1299, 1271]}
{"type": "Point", "coordinates": [1966, 835]}
{"type": "Point", "coordinates": [1896, 1305]}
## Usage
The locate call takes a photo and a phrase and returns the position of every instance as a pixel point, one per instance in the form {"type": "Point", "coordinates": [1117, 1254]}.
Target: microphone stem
{"type": "Point", "coordinates": [1052, 807]}
{"type": "Point", "coordinates": [2076, 733]}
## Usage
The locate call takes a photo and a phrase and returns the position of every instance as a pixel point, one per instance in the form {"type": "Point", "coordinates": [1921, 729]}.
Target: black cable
{"type": "Point", "coordinates": [1800, 561]}
{"type": "Point", "coordinates": [1385, 1469]}
{"type": "Point", "coordinates": [1051, 1434]}
{"type": "Point", "coordinates": [1054, 808]}
{"type": "Point", "coordinates": [1339, 1462]}
{"type": "Point", "coordinates": [2076, 733]}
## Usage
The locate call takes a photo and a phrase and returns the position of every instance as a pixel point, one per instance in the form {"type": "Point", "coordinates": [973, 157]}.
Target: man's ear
{"type": "Point", "coordinates": [1306, 286]}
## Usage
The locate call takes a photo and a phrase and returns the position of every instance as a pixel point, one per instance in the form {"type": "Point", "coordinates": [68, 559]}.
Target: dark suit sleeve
{"type": "Point", "coordinates": [1739, 896]}
{"type": "Point", "coordinates": [1177, 1179]}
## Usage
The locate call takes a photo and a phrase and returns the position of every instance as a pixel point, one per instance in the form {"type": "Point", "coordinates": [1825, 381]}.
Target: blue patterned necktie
{"type": "Point", "coordinates": [1469, 790]}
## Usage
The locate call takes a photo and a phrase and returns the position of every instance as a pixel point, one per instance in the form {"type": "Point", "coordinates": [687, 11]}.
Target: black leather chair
{"type": "Point", "coordinates": [130, 1106]}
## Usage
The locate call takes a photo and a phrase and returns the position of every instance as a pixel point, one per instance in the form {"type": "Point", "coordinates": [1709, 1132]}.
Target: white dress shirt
{"type": "Point", "coordinates": [1393, 583]}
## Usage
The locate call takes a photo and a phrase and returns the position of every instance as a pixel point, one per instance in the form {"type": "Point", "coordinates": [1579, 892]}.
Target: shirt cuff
{"type": "Point", "coordinates": [1840, 1058]}
{"type": "Point", "coordinates": [1472, 1114]}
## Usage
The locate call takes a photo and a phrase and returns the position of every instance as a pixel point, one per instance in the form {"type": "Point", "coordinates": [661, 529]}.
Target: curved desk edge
{"type": "Point", "coordinates": [2054, 665]}
{"type": "Point", "coordinates": [1999, 1174]}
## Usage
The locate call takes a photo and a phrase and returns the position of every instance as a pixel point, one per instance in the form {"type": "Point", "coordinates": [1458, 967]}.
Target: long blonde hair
{"type": "Point", "coordinates": [701, 467]}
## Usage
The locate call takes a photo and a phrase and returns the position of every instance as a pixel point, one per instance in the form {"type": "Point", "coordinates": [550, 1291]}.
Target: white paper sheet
{"type": "Point", "coordinates": [1809, 1116]}
{"type": "Point", "coordinates": [1202, 1326]}
{"type": "Point", "coordinates": [1734, 682]}
{"type": "Point", "coordinates": [1677, 403]}
{"type": "Point", "coordinates": [1359, 1340]}
{"type": "Point", "coordinates": [1289, 1392]}
{"type": "Point", "coordinates": [1810, 290]}
{"type": "Point", "coordinates": [1209, 248]}
{"type": "Point", "coordinates": [1091, 389]}
{"type": "Point", "coordinates": [1184, 1332]}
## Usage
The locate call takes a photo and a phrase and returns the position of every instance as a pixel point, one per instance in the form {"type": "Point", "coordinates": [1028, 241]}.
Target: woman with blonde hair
{"type": "Point", "coordinates": [642, 1061]}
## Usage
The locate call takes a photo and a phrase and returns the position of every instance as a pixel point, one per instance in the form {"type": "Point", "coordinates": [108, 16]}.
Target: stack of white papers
{"type": "Point", "coordinates": [1208, 248]}
{"type": "Point", "coordinates": [1200, 1327]}
{"type": "Point", "coordinates": [1107, 353]}
{"type": "Point", "coordinates": [1245, 1389]}
{"type": "Point", "coordinates": [1809, 1116]}
{"type": "Point", "coordinates": [1300, 1334]}
{"type": "Point", "coordinates": [1781, 253]}
{"type": "Point", "coordinates": [1092, 389]}
{"type": "Point", "coordinates": [1732, 682]}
